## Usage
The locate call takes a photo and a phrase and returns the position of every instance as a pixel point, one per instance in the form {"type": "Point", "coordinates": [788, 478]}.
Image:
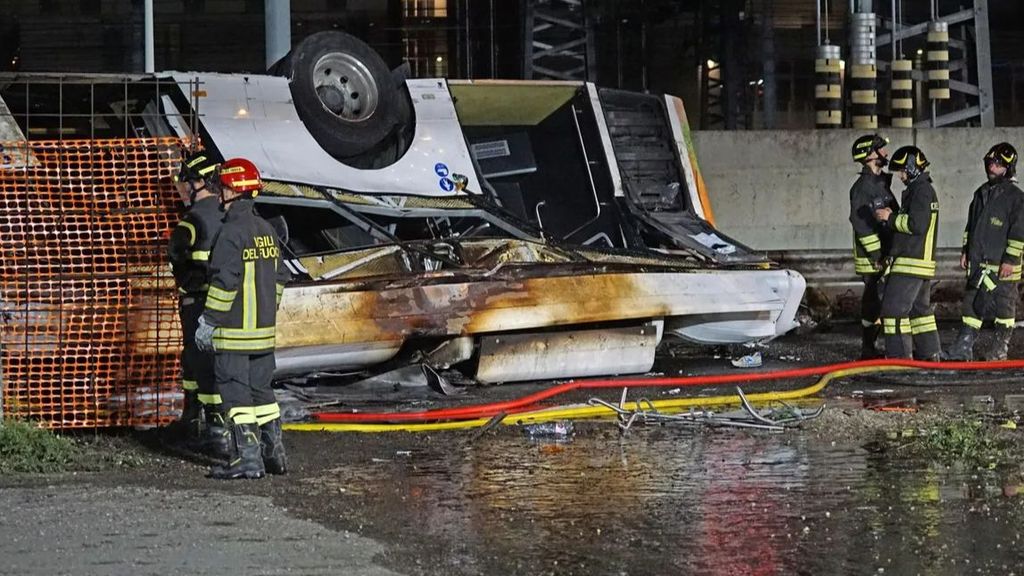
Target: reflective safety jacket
{"type": "Point", "coordinates": [995, 228]}
{"type": "Point", "coordinates": [914, 229]}
{"type": "Point", "coordinates": [872, 239]}
{"type": "Point", "coordinates": [247, 279]}
{"type": "Point", "coordinates": [190, 245]}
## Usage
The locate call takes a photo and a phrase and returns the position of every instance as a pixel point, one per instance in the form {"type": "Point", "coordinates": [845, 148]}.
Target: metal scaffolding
{"type": "Point", "coordinates": [970, 57]}
{"type": "Point", "coordinates": [559, 42]}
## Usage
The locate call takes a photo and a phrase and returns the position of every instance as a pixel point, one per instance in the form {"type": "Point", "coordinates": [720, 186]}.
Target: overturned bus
{"type": "Point", "coordinates": [516, 230]}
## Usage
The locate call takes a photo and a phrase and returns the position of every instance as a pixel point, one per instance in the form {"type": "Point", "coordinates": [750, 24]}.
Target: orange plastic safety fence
{"type": "Point", "coordinates": [90, 331]}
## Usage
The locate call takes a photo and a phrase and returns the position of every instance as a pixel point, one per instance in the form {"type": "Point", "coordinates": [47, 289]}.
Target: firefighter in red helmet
{"type": "Point", "coordinates": [247, 280]}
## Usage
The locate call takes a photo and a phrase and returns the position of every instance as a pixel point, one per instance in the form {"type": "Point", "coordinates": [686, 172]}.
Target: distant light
{"type": "Point", "coordinates": [760, 81]}
{"type": "Point", "coordinates": [711, 63]}
{"type": "Point", "coordinates": [243, 112]}
{"type": "Point", "coordinates": [439, 59]}
{"type": "Point", "coordinates": [920, 51]}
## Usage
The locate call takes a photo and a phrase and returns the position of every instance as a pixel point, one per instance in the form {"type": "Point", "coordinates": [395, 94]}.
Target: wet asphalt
{"type": "Point", "coordinates": [658, 499]}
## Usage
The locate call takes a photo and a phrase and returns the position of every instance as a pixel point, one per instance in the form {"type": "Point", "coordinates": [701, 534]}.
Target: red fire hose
{"type": "Point", "coordinates": [530, 401]}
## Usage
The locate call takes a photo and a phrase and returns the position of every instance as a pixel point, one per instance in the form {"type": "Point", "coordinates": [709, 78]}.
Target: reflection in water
{"type": "Point", "coordinates": [670, 500]}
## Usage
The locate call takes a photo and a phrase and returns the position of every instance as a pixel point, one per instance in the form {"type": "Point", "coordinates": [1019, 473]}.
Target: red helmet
{"type": "Point", "coordinates": [240, 175]}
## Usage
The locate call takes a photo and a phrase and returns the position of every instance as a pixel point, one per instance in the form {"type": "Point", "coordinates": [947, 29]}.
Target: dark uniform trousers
{"type": "Point", "coordinates": [998, 302]}
{"type": "Point", "coordinates": [871, 300]}
{"type": "Point", "coordinates": [244, 384]}
{"type": "Point", "coordinates": [196, 366]}
{"type": "Point", "coordinates": [908, 318]}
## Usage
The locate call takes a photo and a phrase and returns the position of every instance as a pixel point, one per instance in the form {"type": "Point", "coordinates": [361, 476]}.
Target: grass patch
{"type": "Point", "coordinates": [961, 441]}
{"type": "Point", "coordinates": [24, 447]}
{"type": "Point", "coordinates": [965, 440]}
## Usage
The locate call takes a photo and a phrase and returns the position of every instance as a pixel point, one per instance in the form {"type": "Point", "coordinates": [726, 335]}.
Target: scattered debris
{"type": "Point", "coordinates": [877, 393]}
{"type": "Point", "coordinates": [805, 324]}
{"type": "Point", "coordinates": [748, 417]}
{"type": "Point", "coordinates": [491, 424]}
{"type": "Point", "coordinates": [559, 429]}
{"type": "Point", "coordinates": [749, 361]}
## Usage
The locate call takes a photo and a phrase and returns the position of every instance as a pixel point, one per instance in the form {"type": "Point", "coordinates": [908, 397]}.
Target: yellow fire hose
{"type": "Point", "coordinates": [579, 412]}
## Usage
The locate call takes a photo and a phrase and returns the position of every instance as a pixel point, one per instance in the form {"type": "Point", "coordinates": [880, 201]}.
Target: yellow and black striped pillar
{"type": "Point", "coordinates": [902, 93]}
{"type": "Point", "coordinates": [863, 96]}
{"type": "Point", "coordinates": [828, 94]}
{"type": "Point", "coordinates": [938, 61]}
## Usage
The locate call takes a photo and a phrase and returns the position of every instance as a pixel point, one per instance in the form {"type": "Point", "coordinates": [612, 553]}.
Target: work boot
{"type": "Point", "coordinates": [1000, 344]}
{"type": "Point", "coordinates": [962, 349]}
{"type": "Point", "coordinates": [927, 347]}
{"type": "Point", "coordinates": [216, 436]}
{"type": "Point", "coordinates": [898, 346]}
{"type": "Point", "coordinates": [189, 427]}
{"type": "Point", "coordinates": [274, 459]}
{"type": "Point", "coordinates": [869, 335]}
{"type": "Point", "coordinates": [247, 461]}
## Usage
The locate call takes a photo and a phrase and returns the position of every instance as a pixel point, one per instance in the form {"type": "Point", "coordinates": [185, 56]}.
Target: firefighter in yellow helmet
{"type": "Point", "coordinates": [871, 239]}
{"type": "Point", "coordinates": [991, 256]}
{"type": "Point", "coordinates": [908, 317]}
{"type": "Point", "coordinates": [189, 254]}
{"type": "Point", "coordinates": [247, 280]}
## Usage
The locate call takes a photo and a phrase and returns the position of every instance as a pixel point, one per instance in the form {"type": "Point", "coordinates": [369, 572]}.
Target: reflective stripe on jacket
{"type": "Point", "coordinates": [871, 239]}
{"type": "Point", "coordinates": [247, 279]}
{"type": "Point", "coordinates": [915, 227]}
{"type": "Point", "coordinates": [995, 228]}
{"type": "Point", "coordinates": [190, 245]}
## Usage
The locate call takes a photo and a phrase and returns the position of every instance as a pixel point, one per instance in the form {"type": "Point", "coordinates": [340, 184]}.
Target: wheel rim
{"type": "Point", "coordinates": [345, 87]}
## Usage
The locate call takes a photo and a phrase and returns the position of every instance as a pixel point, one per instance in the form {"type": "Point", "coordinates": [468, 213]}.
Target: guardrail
{"type": "Point", "coordinates": [834, 289]}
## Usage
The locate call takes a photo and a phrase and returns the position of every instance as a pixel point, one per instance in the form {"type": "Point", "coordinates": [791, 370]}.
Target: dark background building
{"type": "Point", "coordinates": [656, 45]}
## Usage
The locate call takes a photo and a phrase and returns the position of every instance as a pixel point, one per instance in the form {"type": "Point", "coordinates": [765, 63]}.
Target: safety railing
{"type": "Point", "coordinates": [89, 332]}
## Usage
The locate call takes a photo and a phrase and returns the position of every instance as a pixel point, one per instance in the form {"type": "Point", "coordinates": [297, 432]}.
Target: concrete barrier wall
{"type": "Point", "coordinates": [790, 190]}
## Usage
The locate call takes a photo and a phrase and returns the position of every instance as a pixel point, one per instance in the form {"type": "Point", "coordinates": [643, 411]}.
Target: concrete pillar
{"type": "Point", "coordinates": [768, 62]}
{"type": "Point", "coordinates": [148, 34]}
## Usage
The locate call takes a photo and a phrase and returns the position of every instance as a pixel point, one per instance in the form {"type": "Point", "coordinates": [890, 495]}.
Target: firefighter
{"type": "Point", "coordinates": [908, 319]}
{"type": "Point", "coordinates": [247, 280]}
{"type": "Point", "coordinates": [871, 238]}
{"type": "Point", "coordinates": [993, 244]}
{"type": "Point", "coordinates": [189, 254]}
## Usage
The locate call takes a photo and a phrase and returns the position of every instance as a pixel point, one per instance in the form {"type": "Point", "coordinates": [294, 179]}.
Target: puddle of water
{"type": "Point", "coordinates": [672, 500]}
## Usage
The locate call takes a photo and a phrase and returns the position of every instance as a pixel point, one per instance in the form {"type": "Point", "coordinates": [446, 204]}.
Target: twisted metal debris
{"type": "Point", "coordinates": [774, 420]}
